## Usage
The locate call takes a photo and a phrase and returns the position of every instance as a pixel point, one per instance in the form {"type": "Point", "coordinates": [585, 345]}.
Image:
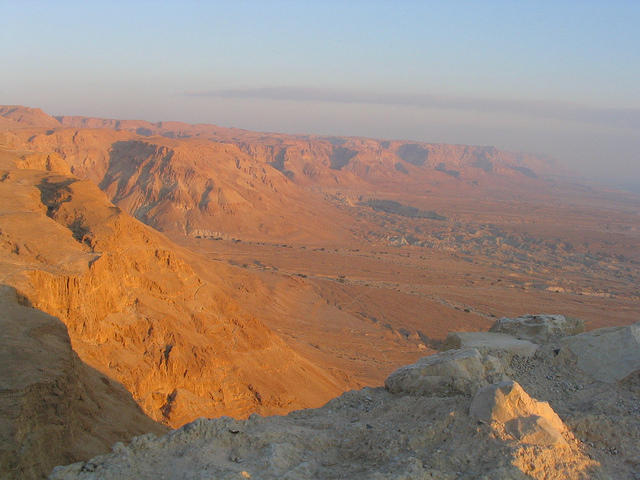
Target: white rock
{"type": "Point", "coordinates": [451, 372]}
{"type": "Point", "coordinates": [525, 418]}
{"type": "Point", "coordinates": [607, 354]}
{"type": "Point", "coordinates": [488, 341]}
{"type": "Point", "coordinates": [535, 430]}
{"type": "Point", "coordinates": [538, 328]}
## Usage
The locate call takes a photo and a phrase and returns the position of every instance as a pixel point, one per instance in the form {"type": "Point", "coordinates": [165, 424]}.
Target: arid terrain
{"type": "Point", "coordinates": [209, 271]}
{"type": "Point", "coordinates": [530, 399]}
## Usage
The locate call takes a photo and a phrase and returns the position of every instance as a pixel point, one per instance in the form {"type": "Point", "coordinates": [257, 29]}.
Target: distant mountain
{"type": "Point", "coordinates": [27, 117]}
{"type": "Point", "coordinates": [203, 180]}
{"type": "Point", "coordinates": [214, 271]}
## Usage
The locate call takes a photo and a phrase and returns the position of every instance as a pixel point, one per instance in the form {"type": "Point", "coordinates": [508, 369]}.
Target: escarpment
{"type": "Point", "coordinates": [188, 179]}
{"type": "Point", "coordinates": [472, 413]}
{"type": "Point", "coordinates": [308, 265]}
{"type": "Point", "coordinates": [139, 313]}
{"type": "Point", "coordinates": [54, 408]}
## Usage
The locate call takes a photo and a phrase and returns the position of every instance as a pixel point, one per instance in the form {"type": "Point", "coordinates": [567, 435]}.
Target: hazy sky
{"type": "Point", "coordinates": [555, 77]}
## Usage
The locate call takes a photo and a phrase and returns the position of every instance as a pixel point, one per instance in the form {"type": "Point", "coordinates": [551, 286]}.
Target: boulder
{"type": "Point", "coordinates": [447, 373]}
{"type": "Point", "coordinates": [538, 328]}
{"type": "Point", "coordinates": [491, 342]}
{"type": "Point", "coordinates": [523, 417]}
{"type": "Point", "coordinates": [607, 354]}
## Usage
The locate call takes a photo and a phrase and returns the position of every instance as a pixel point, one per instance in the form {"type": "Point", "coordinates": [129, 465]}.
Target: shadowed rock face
{"type": "Point", "coordinates": [525, 171]}
{"type": "Point", "coordinates": [340, 157]}
{"type": "Point", "coordinates": [413, 153]}
{"type": "Point", "coordinates": [423, 425]}
{"type": "Point", "coordinates": [54, 408]}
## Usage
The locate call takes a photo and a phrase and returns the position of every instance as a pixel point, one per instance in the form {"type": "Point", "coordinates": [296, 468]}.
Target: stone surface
{"type": "Point", "coordinates": [451, 372]}
{"type": "Point", "coordinates": [535, 430]}
{"type": "Point", "coordinates": [504, 401]}
{"type": "Point", "coordinates": [607, 354]}
{"type": "Point", "coordinates": [538, 328]}
{"type": "Point", "coordinates": [488, 341]}
{"type": "Point", "coordinates": [53, 407]}
{"type": "Point", "coordinates": [375, 434]}
{"type": "Point", "coordinates": [522, 417]}
{"type": "Point", "coordinates": [140, 309]}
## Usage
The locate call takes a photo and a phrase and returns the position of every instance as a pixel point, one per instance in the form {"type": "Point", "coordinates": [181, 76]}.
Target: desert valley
{"type": "Point", "coordinates": [156, 273]}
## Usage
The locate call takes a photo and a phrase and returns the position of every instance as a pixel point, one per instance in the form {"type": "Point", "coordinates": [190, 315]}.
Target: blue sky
{"type": "Point", "coordinates": [561, 78]}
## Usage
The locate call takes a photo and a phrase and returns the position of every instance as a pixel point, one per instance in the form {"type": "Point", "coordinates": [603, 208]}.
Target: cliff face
{"type": "Point", "coordinates": [208, 181]}
{"type": "Point", "coordinates": [316, 158]}
{"type": "Point", "coordinates": [138, 312]}
{"type": "Point", "coordinates": [190, 186]}
{"type": "Point", "coordinates": [491, 411]}
{"type": "Point", "coordinates": [176, 329]}
{"type": "Point", "coordinates": [54, 408]}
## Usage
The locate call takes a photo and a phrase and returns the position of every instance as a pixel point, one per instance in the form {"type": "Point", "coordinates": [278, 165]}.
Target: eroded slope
{"type": "Point", "coordinates": [470, 413]}
{"type": "Point", "coordinates": [137, 311]}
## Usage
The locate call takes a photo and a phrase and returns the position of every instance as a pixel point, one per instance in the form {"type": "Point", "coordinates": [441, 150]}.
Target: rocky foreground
{"type": "Point", "coordinates": [532, 398]}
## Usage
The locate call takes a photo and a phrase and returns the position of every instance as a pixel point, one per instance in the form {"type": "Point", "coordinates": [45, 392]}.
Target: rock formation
{"type": "Point", "coordinates": [454, 415]}
{"type": "Point", "coordinates": [488, 341]}
{"type": "Point", "coordinates": [608, 354]}
{"type": "Point", "coordinates": [53, 407]}
{"type": "Point", "coordinates": [431, 238]}
{"type": "Point", "coordinates": [185, 179]}
{"type": "Point", "coordinates": [538, 328]}
{"type": "Point", "coordinates": [138, 308]}
{"type": "Point", "coordinates": [455, 371]}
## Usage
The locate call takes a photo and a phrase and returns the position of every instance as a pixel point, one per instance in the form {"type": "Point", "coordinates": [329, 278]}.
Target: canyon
{"type": "Point", "coordinates": [191, 271]}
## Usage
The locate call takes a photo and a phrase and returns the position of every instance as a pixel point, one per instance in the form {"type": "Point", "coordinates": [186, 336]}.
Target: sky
{"type": "Point", "coordinates": [560, 78]}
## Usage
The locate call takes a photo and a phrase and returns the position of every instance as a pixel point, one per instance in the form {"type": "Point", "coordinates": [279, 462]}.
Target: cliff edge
{"type": "Point", "coordinates": [489, 411]}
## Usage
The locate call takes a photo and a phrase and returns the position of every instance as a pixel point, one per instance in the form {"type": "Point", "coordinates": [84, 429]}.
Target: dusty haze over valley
{"type": "Point", "coordinates": [213, 271]}
{"type": "Point", "coordinates": [277, 240]}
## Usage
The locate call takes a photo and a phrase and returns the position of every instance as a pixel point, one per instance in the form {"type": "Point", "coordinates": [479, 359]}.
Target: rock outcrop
{"type": "Point", "coordinates": [139, 309]}
{"type": "Point", "coordinates": [452, 372]}
{"type": "Point", "coordinates": [53, 407]}
{"type": "Point", "coordinates": [538, 328]}
{"type": "Point", "coordinates": [608, 354]}
{"type": "Point", "coordinates": [530, 421]}
{"type": "Point", "coordinates": [453, 415]}
{"type": "Point", "coordinates": [488, 342]}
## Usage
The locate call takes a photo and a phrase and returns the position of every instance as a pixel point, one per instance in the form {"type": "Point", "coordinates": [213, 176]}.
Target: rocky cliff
{"type": "Point", "coordinates": [208, 181]}
{"type": "Point", "coordinates": [54, 408]}
{"type": "Point", "coordinates": [565, 409]}
{"type": "Point", "coordinates": [138, 308]}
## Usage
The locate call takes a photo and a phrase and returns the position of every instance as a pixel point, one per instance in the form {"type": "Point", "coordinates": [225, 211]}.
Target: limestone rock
{"type": "Point", "coordinates": [607, 354]}
{"type": "Point", "coordinates": [538, 328]}
{"type": "Point", "coordinates": [524, 417]}
{"type": "Point", "coordinates": [361, 435]}
{"type": "Point", "coordinates": [534, 430]}
{"type": "Point", "coordinates": [488, 341]}
{"type": "Point", "coordinates": [451, 372]}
